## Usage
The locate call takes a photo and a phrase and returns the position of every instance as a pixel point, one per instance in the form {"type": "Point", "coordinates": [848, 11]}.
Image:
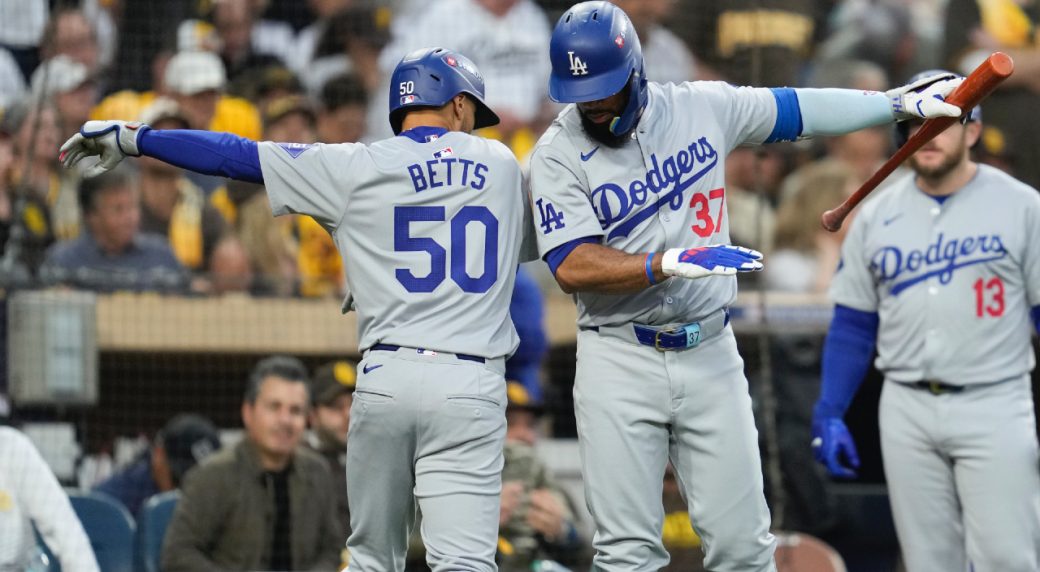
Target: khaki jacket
{"type": "Point", "coordinates": [225, 517]}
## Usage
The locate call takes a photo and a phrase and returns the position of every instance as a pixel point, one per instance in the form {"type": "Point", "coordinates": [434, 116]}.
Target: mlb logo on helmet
{"type": "Point", "coordinates": [450, 61]}
{"type": "Point", "coordinates": [407, 99]}
{"type": "Point", "coordinates": [620, 41]}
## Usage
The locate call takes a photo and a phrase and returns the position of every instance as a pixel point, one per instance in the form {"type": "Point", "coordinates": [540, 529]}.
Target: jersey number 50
{"type": "Point", "coordinates": [405, 242]}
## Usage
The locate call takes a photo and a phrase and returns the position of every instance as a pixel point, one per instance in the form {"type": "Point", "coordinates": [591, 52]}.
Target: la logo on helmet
{"type": "Point", "coordinates": [578, 67]}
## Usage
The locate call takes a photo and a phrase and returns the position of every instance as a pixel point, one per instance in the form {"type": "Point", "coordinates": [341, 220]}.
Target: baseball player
{"type": "Point", "coordinates": [629, 198]}
{"type": "Point", "coordinates": [429, 224]}
{"type": "Point", "coordinates": [941, 272]}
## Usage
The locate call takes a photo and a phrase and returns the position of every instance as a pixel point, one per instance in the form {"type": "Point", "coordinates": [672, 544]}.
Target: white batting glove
{"type": "Point", "coordinates": [925, 98]}
{"type": "Point", "coordinates": [716, 260]}
{"type": "Point", "coordinates": [111, 140]}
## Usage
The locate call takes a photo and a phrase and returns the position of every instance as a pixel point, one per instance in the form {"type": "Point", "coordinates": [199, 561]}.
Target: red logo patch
{"type": "Point", "coordinates": [450, 60]}
{"type": "Point", "coordinates": [620, 41]}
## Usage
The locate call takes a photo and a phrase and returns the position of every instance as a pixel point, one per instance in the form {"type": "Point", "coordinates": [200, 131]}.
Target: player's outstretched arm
{"type": "Point", "coordinates": [846, 358]}
{"type": "Point", "coordinates": [597, 268]}
{"type": "Point", "coordinates": [833, 111]}
{"type": "Point", "coordinates": [219, 154]}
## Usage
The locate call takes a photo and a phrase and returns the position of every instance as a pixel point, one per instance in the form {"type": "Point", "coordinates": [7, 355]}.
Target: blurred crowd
{"type": "Point", "coordinates": [317, 71]}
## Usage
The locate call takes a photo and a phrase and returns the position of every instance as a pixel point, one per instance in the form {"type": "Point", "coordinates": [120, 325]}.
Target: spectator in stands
{"type": "Point", "coordinates": [753, 177]}
{"type": "Point", "coordinates": [273, 83]}
{"type": "Point", "coordinates": [974, 30]}
{"type": "Point", "coordinates": [70, 33]}
{"type": "Point", "coordinates": [666, 58]}
{"type": "Point", "coordinates": [173, 206]}
{"type": "Point", "coordinates": [343, 110]}
{"type": "Point", "coordinates": [12, 84]}
{"type": "Point", "coordinates": [182, 443]}
{"type": "Point", "coordinates": [351, 43]}
{"type": "Point", "coordinates": [30, 497]}
{"type": "Point", "coordinates": [113, 254]}
{"type": "Point", "coordinates": [20, 31]}
{"type": "Point", "coordinates": [527, 310]}
{"type": "Point", "coordinates": [229, 268]}
{"type": "Point", "coordinates": [31, 175]}
{"type": "Point", "coordinates": [749, 43]}
{"type": "Point", "coordinates": [332, 397]}
{"type": "Point", "coordinates": [507, 39]}
{"type": "Point", "coordinates": [319, 265]}
{"type": "Point", "coordinates": [309, 37]}
{"type": "Point", "coordinates": [262, 504]}
{"type": "Point", "coordinates": [537, 516]}
{"type": "Point", "coordinates": [234, 22]}
{"type": "Point", "coordinates": [805, 256]}
{"type": "Point", "coordinates": [70, 85]}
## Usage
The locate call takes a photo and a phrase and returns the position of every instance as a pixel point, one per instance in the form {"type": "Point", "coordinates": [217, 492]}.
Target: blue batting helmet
{"type": "Point", "coordinates": [595, 53]}
{"type": "Point", "coordinates": [903, 127]}
{"type": "Point", "coordinates": [430, 77]}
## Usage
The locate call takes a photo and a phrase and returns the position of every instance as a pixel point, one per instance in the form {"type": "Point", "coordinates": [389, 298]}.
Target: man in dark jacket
{"type": "Point", "coordinates": [263, 504]}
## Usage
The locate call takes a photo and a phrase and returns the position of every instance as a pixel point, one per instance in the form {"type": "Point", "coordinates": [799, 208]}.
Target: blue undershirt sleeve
{"type": "Point", "coordinates": [206, 152]}
{"type": "Point", "coordinates": [1036, 318]}
{"type": "Point", "coordinates": [555, 257]}
{"type": "Point", "coordinates": [846, 358]}
{"type": "Point", "coordinates": [788, 115]}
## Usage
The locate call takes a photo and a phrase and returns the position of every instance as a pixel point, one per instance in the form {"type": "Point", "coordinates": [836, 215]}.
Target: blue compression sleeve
{"type": "Point", "coordinates": [220, 154]}
{"type": "Point", "coordinates": [846, 359]}
{"type": "Point", "coordinates": [788, 124]}
{"type": "Point", "coordinates": [834, 111]}
{"type": "Point", "coordinates": [1036, 318]}
{"type": "Point", "coordinates": [555, 257]}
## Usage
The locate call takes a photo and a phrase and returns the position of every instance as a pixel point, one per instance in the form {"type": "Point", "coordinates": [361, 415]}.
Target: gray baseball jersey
{"type": "Point", "coordinates": [952, 283]}
{"type": "Point", "coordinates": [663, 189]}
{"type": "Point", "coordinates": [430, 233]}
{"type": "Point", "coordinates": [666, 190]}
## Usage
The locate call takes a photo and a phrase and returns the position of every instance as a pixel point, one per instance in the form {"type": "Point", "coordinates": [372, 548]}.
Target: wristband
{"type": "Point", "coordinates": [650, 268]}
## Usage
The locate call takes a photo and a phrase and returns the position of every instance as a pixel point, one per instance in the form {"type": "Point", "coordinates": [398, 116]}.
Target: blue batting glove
{"type": "Point", "coordinates": [715, 260]}
{"type": "Point", "coordinates": [831, 441]}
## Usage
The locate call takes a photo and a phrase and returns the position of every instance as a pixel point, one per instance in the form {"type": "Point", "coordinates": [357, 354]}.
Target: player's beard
{"type": "Point", "coordinates": [601, 133]}
{"type": "Point", "coordinates": [938, 172]}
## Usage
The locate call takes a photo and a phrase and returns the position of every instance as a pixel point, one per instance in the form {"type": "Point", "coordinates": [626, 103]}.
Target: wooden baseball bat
{"type": "Point", "coordinates": [974, 89]}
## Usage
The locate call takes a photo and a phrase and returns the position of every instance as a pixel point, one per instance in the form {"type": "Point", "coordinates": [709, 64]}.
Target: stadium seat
{"type": "Point", "coordinates": [152, 521]}
{"type": "Point", "coordinates": [109, 527]}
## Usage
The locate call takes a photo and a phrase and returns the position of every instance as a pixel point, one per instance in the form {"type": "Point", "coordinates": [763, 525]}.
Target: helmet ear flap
{"type": "Point", "coordinates": [634, 108]}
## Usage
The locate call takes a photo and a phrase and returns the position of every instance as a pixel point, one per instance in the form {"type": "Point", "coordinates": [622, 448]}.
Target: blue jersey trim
{"type": "Point", "coordinates": [423, 133]}
{"type": "Point", "coordinates": [846, 358]}
{"type": "Point", "coordinates": [788, 115]}
{"type": "Point", "coordinates": [206, 152]}
{"type": "Point", "coordinates": [1036, 318]}
{"type": "Point", "coordinates": [555, 257]}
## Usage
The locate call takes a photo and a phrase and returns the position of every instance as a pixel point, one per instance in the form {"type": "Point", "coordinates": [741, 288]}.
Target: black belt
{"type": "Point", "coordinates": [937, 387]}
{"type": "Point", "coordinates": [393, 348]}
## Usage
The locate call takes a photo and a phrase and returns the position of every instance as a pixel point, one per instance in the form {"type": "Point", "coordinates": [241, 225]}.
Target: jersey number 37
{"type": "Point", "coordinates": [405, 242]}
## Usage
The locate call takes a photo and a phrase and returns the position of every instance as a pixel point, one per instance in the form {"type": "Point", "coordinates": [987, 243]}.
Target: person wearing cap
{"type": "Point", "coordinates": [183, 442]}
{"type": "Point", "coordinates": [262, 504]}
{"type": "Point", "coordinates": [333, 394]}
{"type": "Point", "coordinates": [70, 85]}
{"type": "Point", "coordinates": [231, 114]}
{"type": "Point", "coordinates": [174, 207]}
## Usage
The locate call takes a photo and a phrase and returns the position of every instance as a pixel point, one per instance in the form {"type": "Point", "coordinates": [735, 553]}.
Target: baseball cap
{"type": "Point", "coordinates": [162, 109]}
{"type": "Point", "coordinates": [188, 439]}
{"type": "Point", "coordinates": [334, 379]}
{"type": "Point", "coordinates": [279, 108]}
{"type": "Point", "coordinates": [519, 398]}
{"type": "Point", "coordinates": [62, 74]}
{"type": "Point", "coordinates": [188, 73]}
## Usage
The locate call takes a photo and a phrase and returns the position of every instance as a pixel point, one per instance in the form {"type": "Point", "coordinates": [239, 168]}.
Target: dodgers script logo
{"type": "Point", "coordinates": [942, 258]}
{"type": "Point", "coordinates": [613, 203]}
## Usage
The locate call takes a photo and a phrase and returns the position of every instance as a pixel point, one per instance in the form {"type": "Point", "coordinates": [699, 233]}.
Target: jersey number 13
{"type": "Point", "coordinates": [405, 242]}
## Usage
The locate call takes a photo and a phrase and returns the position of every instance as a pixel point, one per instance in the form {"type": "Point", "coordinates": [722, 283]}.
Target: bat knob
{"type": "Point", "coordinates": [832, 219]}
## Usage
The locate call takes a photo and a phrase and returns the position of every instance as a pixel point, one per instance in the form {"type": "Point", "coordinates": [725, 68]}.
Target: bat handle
{"type": "Point", "coordinates": [832, 219]}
